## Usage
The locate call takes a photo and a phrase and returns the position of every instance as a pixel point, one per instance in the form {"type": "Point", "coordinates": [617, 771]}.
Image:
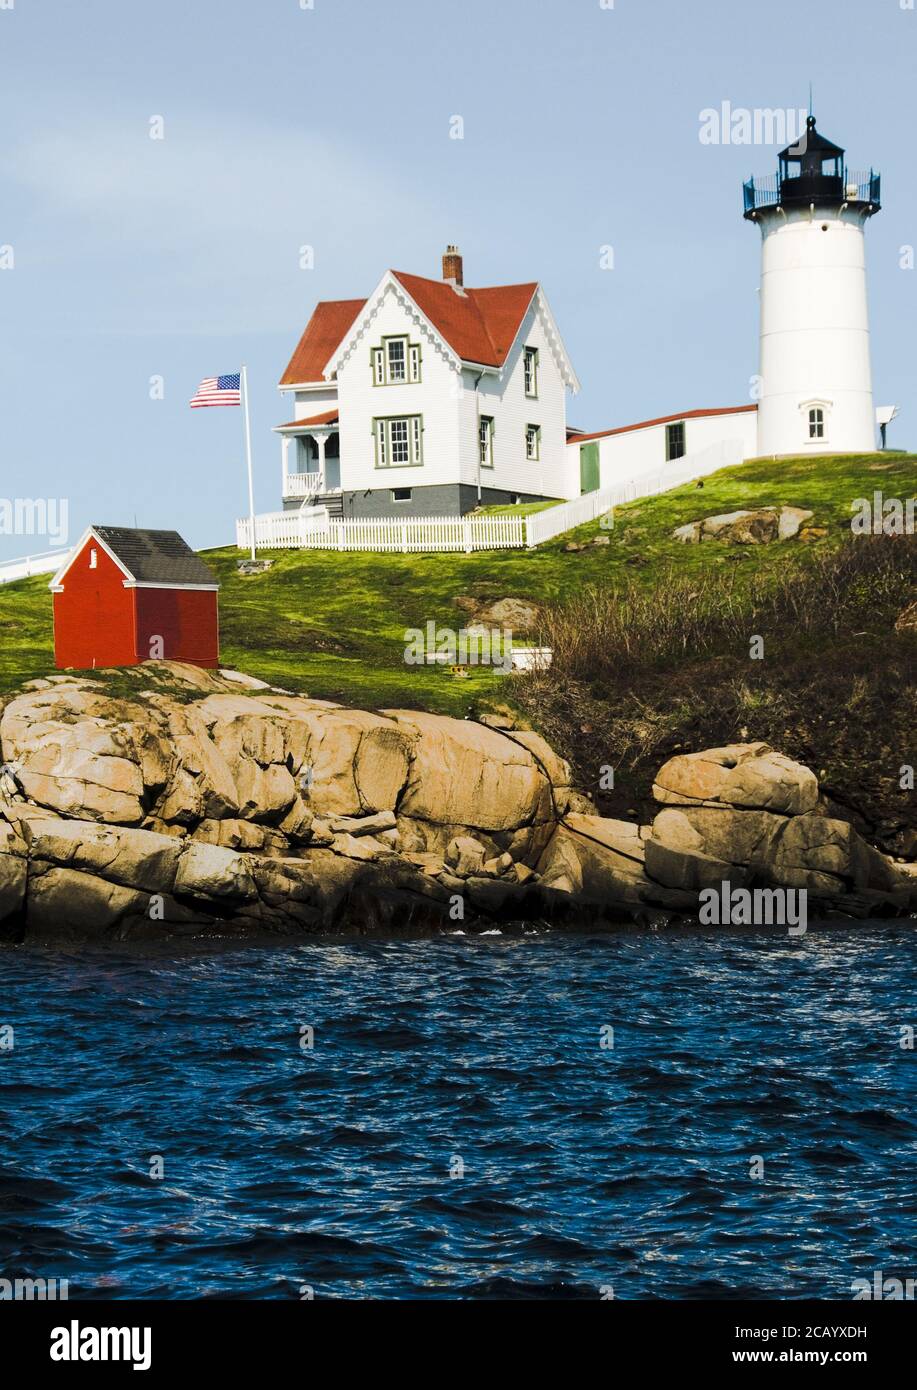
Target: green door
{"type": "Point", "coordinates": [589, 468]}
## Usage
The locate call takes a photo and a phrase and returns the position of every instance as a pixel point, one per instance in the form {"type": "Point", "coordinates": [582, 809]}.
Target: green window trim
{"type": "Point", "coordinates": [486, 440]}
{"type": "Point", "coordinates": [390, 438]}
{"type": "Point", "coordinates": [380, 361]}
{"type": "Point", "coordinates": [533, 443]}
{"type": "Point", "coordinates": [530, 372]}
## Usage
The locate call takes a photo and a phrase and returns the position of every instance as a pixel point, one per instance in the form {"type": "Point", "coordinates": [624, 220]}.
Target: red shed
{"type": "Point", "coordinates": [124, 596]}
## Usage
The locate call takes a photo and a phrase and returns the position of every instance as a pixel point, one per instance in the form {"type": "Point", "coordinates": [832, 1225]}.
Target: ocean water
{"type": "Point", "coordinates": [458, 1128]}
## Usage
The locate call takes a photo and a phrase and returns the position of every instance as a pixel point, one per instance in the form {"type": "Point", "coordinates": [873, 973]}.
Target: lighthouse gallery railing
{"type": "Point", "coordinates": [859, 186]}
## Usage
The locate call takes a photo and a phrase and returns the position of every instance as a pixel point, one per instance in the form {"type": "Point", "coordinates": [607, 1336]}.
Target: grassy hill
{"type": "Point", "coordinates": [836, 688]}
{"type": "Point", "coordinates": [333, 624]}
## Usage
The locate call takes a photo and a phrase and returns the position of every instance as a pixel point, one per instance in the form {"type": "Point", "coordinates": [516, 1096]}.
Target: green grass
{"type": "Point", "coordinates": [518, 509]}
{"type": "Point", "coordinates": [332, 624]}
{"type": "Point", "coordinates": [26, 635]}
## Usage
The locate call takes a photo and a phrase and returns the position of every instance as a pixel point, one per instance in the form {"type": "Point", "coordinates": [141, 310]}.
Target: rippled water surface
{"type": "Point", "coordinates": [585, 1167]}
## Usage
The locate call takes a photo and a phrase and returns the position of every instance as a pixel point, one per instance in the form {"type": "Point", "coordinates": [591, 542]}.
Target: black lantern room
{"type": "Point", "coordinates": [813, 171]}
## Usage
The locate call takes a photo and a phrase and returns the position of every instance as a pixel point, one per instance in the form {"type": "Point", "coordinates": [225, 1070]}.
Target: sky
{"type": "Point", "coordinates": [134, 266]}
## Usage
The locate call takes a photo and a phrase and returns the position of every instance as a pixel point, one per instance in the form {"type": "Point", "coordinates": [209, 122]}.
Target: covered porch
{"type": "Point", "coordinates": [311, 457]}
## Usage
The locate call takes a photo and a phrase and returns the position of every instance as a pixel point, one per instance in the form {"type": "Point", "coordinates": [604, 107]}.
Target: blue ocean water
{"type": "Point", "coordinates": [457, 1128]}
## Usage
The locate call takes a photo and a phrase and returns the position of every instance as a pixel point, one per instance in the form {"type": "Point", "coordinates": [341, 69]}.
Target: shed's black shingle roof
{"type": "Point", "coordinates": [156, 557]}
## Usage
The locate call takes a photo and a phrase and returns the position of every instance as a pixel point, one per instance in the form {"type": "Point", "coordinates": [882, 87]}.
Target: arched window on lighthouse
{"type": "Point", "coordinates": [815, 420]}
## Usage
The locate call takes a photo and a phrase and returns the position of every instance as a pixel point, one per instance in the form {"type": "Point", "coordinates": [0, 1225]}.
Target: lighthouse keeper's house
{"type": "Point", "coordinates": [429, 398]}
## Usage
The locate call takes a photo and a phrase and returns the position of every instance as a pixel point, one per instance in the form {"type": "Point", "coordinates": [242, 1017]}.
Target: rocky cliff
{"type": "Point", "coordinates": [169, 800]}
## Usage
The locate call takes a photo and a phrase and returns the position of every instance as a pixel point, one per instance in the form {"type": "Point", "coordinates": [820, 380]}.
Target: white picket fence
{"type": "Point", "coordinates": [287, 530]}
{"type": "Point", "coordinates": [311, 528]}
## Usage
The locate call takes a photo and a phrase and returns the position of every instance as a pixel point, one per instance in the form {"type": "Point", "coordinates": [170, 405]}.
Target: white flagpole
{"type": "Point", "coordinates": [248, 455]}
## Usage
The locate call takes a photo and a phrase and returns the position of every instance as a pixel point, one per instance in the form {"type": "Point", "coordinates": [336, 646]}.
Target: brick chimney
{"type": "Point", "coordinates": [453, 267]}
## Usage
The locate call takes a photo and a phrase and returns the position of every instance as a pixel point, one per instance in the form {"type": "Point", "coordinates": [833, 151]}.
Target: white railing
{"type": "Point", "coordinates": [46, 563]}
{"type": "Point", "coordinates": [553, 521]}
{"type": "Point", "coordinates": [311, 527]}
{"type": "Point", "coordinates": [283, 530]}
{"type": "Point", "coordinates": [723, 454]}
{"type": "Point", "coordinates": [303, 484]}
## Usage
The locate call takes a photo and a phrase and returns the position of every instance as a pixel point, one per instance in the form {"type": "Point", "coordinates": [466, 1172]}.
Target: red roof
{"type": "Point", "coordinates": [330, 417]}
{"type": "Point", "coordinates": [479, 325]}
{"type": "Point", "coordinates": [324, 331]}
{"type": "Point", "coordinates": [575, 438]}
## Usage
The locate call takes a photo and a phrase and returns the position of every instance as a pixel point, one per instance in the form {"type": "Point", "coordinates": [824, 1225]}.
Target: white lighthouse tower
{"type": "Point", "coordinates": [816, 380]}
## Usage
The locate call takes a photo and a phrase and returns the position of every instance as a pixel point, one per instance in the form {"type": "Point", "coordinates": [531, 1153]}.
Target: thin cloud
{"type": "Point", "coordinates": [205, 226]}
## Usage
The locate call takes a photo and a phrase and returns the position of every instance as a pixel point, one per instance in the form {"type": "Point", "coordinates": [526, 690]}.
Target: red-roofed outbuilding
{"type": "Point", "coordinates": [124, 596]}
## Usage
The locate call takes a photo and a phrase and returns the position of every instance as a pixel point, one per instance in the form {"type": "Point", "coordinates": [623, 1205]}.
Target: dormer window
{"type": "Point", "coordinates": [396, 362]}
{"type": "Point", "coordinates": [531, 371]}
{"type": "Point", "coordinates": [396, 350]}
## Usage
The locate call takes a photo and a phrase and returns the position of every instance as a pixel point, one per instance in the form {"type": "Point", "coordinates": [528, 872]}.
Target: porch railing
{"type": "Point", "coordinates": [303, 484]}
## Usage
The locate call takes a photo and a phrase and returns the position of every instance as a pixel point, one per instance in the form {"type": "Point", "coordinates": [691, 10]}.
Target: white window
{"type": "Point", "coordinates": [533, 441]}
{"type": "Point", "coordinates": [487, 441]}
{"type": "Point", "coordinates": [397, 359]}
{"type": "Point", "coordinates": [401, 494]}
{"type": "Point", "coordinates": [93, 559]}
{"type": "Point", "coordinates": [531, 371]}
{"type": "Point", "coordinates": [816, 422]}
{"type": "Point", "coordinates": [396, 362]}
{"type": "Point", "coordinates": [399, 441]}
{"type": "Point", "coordinates": [398, 435]}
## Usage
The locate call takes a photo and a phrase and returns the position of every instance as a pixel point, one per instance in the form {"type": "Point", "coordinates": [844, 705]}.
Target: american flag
{"type": "Point", "coordinates": [217, 390]}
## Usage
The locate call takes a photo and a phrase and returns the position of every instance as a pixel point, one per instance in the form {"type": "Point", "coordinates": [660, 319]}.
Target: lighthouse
{"type": "Point", "coordinates": [815, 374]}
